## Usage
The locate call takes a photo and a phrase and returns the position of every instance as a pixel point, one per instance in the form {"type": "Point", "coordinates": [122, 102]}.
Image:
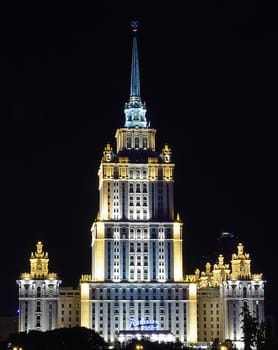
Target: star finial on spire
{"type": "Point", "coordinates": [134, 25]}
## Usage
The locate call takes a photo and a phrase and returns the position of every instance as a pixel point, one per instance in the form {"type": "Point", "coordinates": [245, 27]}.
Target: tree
{"type": "Point", "coordinates": [76, 338]}
{"type": "Point", "coordinates": [215, 344]}
{"type": "Point", "coordinates": [253, 330]}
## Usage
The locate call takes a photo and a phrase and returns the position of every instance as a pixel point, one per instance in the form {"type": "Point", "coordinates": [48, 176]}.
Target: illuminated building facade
{"type": "Point", "coordinates": [137, 282]}
{"type": "Point", "coordinates": [38, 294]}
{"type": "Point", "coordinates": [242, 288]}
{"type": "Point", "coordinates": [68, 308]}
{"type": "Point", "coordinates": [223, 290]}
{"type": "Point", "coordinates": [137, 287]}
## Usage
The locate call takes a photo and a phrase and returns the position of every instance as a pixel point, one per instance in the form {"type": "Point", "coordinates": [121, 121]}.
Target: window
{"type": "Point", "coordinates": [38, 306]}
{"type": "Point", "coordinates": [38, 321]}
{"type": "Point", "coordinates": [51, 290]}
{"type": "Point", "coordinates": [244, 292]}
{"type": "Point", "coordinates": [145, 143]}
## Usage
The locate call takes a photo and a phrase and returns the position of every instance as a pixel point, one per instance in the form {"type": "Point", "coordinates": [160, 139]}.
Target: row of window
{"type": "Point", "coordinates": [211, 312]}
{"type": "Point", "coordinates": [31, 290]}
{"type": "Point", "coordinates": [211, 320]}
{"type": "Point", "coordinates": [137, 142]}
{"type": "Point", "coordinates": [156, 293]}
{"type": "Point", "coordinates": [139, 230]}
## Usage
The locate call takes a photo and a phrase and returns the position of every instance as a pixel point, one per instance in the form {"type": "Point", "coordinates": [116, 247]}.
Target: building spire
{"type": "Point", "coordinates": [135, 77]}
{"type": "Point", "coordinates": [135, 109]}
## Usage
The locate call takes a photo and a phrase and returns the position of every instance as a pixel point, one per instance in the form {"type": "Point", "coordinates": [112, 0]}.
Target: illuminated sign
{"type": "Point", "coordinates": [143, 323]}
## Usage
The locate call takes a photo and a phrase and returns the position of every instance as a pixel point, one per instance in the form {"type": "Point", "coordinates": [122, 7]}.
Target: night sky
{"type": "Point", "coordinates": [209, 78]}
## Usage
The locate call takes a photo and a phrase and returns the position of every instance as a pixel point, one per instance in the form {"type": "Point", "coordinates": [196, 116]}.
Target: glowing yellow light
{"type": "Point", "coordinates": [98, 253]}
{"type": "Point", "coordinates": [85, 305]}
{"type": "Point", "coordinates": [178, 269]}
{"type": "Point", "coordinates": [193, 312]}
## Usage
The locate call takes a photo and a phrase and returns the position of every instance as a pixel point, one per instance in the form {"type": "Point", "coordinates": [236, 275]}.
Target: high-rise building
{"type": "Point", "coordinates": [137, 287]}
{"type": "Point", "coordinates": [137, 281]}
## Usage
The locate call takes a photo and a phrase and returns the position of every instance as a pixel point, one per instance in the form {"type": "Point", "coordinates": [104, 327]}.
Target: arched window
{"type": "Point", "coordinates": [38, 321]}
{"type": "Point", "coordinates": [144, 188]}
{"type": "Point", "coordinates": [145, 142]}
{"type": "Point", "coordinates": [131, 234]}
{"type": "Point", "coordinates": [38, 306]}
{"type": "Point", "coordinates": [131, 188]}
{"type": "Point", "coordinates": [244, 291]}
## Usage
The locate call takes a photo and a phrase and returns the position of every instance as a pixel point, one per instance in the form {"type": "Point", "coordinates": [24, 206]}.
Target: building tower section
{"type": "Point", "coordinates": [137, 281]}
{"type": "Point", "coordinates": [38, 294]}
{"type": "Point", "coordinates": [222, 292]}
{"type": "Point", "coordinates": [243, 288]}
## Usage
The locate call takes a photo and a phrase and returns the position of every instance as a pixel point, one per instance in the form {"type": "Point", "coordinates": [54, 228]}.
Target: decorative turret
{"type": "Point", "coordinates": [241, 264]}
{"type": "Point", "coordinates": [221, 271]}
{"type": "Point", "coordinates": [239, 269]}
{"type": "Point", "coordinates": [107, 153]}
{"type": "Point", "coordinates": [213, 277]}
{"type": "Point", "coordinates": [39, 262]}
{"type": "Point", "coordinates": [166, 154]}
{"type": "Point", "coordinates": [39, 265]}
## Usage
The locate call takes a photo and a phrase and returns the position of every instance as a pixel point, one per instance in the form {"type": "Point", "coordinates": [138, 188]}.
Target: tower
{"type": "Point", "coordinates": [38, 294]}
{"type": "Point", "coordinates": [137, 285]}
{"type": "Point", "coordinates": [243, 288]}
{"type": "Point", "coordinates": [222, 292]}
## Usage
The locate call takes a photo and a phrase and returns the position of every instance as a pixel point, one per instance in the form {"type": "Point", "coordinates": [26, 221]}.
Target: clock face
{"type": "Point", "coordinates": [39, 267]}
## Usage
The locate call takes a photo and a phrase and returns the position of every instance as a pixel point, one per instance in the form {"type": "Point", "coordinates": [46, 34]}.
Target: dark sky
{"type": "Point", "coordinates": [209, 78]}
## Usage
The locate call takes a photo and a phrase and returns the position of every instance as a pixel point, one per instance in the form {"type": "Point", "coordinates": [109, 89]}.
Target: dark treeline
{"type": "Point", "coordinates": [76, 338]}
{"type": "Point", "coordinates": [81, 338]}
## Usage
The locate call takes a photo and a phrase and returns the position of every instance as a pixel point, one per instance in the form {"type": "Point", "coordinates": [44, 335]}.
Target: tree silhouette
{"type": "Point", "coordinates": [253, 330]}
{"type": "Point", "coordinates": [76, 338]}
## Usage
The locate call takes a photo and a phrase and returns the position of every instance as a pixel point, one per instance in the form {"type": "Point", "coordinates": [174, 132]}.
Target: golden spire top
{"type": "Point", "coordinates": [39, 262]}
{"type": "Point", "coordinates": [39, 247]}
